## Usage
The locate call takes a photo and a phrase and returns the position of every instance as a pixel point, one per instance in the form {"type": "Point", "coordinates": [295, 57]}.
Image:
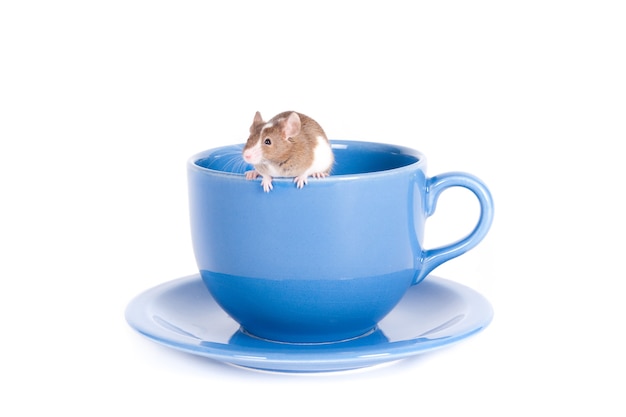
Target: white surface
{"type": "Point", "coordinates": [102, 103]}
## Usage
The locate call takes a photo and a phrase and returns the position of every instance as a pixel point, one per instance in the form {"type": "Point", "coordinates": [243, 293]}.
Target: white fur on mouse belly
{"type": "Point", "coordinates": [322, 157]}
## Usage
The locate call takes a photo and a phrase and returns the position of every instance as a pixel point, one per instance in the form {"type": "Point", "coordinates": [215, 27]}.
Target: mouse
{"type": "Point", "coordinates": [290, 144]}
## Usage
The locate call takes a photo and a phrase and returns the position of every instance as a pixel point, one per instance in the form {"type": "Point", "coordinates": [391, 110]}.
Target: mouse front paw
{"type": "Point", "coordinates": [250, 175]}
{"type": "Point", "coordinates": [320, 174]}
{"type": "Point", "coordinates": [301, 181]}
{"type": "Point", "coordinates": [267, 183]}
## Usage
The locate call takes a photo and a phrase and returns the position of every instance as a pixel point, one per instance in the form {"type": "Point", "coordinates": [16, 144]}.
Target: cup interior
{"type": "Point", "coordinates": [351, 158]}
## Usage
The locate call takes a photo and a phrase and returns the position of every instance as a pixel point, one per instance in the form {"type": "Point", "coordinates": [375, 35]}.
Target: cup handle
{"type": "Point", "coordinates": [432, 258]}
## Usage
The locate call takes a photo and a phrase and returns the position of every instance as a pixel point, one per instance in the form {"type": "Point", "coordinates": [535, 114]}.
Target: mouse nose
{"type": "Point", "coordinates": [248, 156]}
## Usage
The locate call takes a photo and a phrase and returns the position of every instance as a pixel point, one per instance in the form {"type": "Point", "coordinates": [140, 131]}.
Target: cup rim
{"type": "Point", "coordinates": [336, 144]}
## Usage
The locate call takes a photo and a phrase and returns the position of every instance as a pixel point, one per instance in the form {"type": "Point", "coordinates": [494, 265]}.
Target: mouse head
{"type": "Point", "coordinates": [271, 140]}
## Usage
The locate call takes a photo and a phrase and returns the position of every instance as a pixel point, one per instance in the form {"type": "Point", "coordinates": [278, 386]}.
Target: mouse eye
{"type": "Point", "coordinates": [268, 141]}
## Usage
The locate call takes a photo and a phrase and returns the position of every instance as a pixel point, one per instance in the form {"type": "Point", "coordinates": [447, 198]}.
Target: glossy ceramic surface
{"type": "Point", "coordinates": [183, 315]}
{"type": "Point", "coordinates": [326, 262]}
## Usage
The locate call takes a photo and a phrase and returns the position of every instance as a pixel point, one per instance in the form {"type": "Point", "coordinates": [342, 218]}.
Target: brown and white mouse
{"type": "Point", "coordinates": [288, 145]}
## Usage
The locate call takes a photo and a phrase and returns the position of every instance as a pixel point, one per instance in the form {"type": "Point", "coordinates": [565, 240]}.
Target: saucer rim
{"type": "Point", "coordinates": [478, 317]}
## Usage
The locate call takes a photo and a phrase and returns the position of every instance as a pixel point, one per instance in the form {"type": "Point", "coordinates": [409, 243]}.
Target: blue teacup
{"type": "Point", "coordinates": [327, 262]}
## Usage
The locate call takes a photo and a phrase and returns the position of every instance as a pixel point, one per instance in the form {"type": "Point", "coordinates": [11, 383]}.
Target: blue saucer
{"type": "Point", "coordinates": [182, 314]}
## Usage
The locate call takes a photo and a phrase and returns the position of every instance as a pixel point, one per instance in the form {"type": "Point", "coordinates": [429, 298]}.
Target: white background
{"type": "Point", "coordinates": [101, 104]}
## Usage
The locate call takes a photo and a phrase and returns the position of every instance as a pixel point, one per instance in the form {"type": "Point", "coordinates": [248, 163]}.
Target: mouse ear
{"type": "Point", "coordinates": [292, 125]}
{"type": "Point", "coordinates": [257, 121]}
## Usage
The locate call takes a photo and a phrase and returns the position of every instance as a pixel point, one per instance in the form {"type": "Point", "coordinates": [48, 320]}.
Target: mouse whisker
{"type": "Point", "coordinates": [233, 162]}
